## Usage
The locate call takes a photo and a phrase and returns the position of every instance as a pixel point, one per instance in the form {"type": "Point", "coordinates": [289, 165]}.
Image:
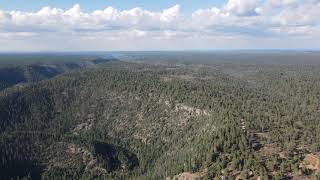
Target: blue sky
{"type": "Point", "coordinates": [100, 25]}
{"type": "Point", "coordinates": [90, 5]}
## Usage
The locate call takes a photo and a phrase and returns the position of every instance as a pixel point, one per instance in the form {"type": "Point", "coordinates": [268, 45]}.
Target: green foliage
{"type": "Point", "coordinates": [143, 121]}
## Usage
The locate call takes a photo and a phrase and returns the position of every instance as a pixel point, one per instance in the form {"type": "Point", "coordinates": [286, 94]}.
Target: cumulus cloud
{"type": "Point", "coordinates": [281, 3]}
{"type": "Point", "coordinates": [243, 7]}
{"type": "Point", "coordinates": [74, 19]}
{"type": "Point", "coordinates": [277, 17]}
{"type": "Point", "coordinates": [218, 17]}
{"type": "Point", "coordinates": [236, 18]}
{"type": "Point", "coordinates": [2, 17]}
{"type": "Point", "coordinates": [307, 14]}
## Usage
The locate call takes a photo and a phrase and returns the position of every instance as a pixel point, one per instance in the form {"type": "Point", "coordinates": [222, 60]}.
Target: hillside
{"type": "Point", "coordinates": [24, 68]}
{"type": "Point", "coordinates": [125, 120]}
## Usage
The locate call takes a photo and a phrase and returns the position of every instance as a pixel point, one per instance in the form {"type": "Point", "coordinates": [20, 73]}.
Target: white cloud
{"type": "Point", "coordinates": [15, 34]}
{"type": "Point", "coordinates": [74, 19]}
{"type": "Point", "coordinates": [74, 12]}
{"type": "Point", "coordinates": [2, 16]}
{"type": "Point", "coordinates": [281, 3]}
{"type": "Point", "coordinates": [257, 19]}
{"type": "Point", "coordinates": [242, 7]}
{"type": "Point", "coordinates": [298, 30]}
{"type": "Point", "coordinates": [307, 14]}
{"type": "Point", "coordinates": [278, 17]}
{"type": "Point", "coordinates": [203, 17]}
{"type": "Point", "coordinates": [217, 18]}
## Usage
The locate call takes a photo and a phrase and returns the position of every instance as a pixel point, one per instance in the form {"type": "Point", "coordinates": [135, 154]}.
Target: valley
{"type": "Point", "coordinates": [162, 115]}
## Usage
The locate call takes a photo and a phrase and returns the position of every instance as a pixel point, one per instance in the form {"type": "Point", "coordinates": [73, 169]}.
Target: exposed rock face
{"type": "Point", "coordinates": [185, 176]}
{"type": "Point", "coordinates": [83, 127]}
{"type": "Point", "coordinates": [312, 162]}
{"type": "Point", "coordinates": [88, 158]}
{"type": "Point", "coordinates": [190, 110]}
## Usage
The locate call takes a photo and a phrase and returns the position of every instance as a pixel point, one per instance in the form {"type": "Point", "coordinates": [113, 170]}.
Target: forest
{"type": "Point", "coordinates": [160, 115]}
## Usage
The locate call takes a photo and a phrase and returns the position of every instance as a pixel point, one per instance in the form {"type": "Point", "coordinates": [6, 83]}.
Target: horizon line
{"type": "Point", "coordinates": [155, 50]}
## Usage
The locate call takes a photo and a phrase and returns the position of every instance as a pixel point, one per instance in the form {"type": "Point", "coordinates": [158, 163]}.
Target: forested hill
{"type": "Point", "coordinates": [22, 68]}
{"type": "Point", "coordinates": [144, 121]}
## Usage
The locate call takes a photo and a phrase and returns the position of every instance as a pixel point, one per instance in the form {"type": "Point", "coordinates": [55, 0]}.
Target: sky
{"type": "Point", "coordinates": [91, 5]}
{"type": "Point", "coordinates": [111, 25]}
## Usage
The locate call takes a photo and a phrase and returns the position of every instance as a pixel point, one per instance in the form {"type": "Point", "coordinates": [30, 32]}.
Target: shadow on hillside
{"type": "Point", "coordinates": [17, 169]}
{"type": "Point", "coordinates": [115, 157]}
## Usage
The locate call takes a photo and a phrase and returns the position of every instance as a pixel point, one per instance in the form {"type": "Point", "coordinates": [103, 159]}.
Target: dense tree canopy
{"type": "Point", "coordinates": [125, 120]}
